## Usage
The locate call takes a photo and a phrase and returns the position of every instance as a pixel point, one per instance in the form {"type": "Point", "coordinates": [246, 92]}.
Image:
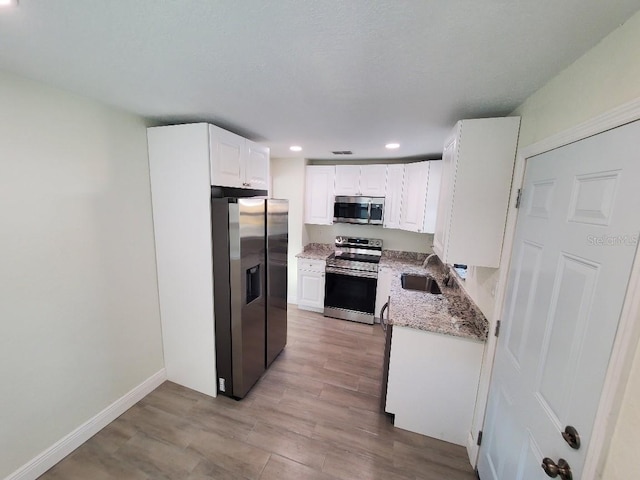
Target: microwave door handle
{"type": "Point", "coordinates": [369, 212]}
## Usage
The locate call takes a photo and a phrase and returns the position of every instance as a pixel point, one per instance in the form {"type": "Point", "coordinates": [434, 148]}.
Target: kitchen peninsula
{"type": "Point", "coordinates": [436, 349]}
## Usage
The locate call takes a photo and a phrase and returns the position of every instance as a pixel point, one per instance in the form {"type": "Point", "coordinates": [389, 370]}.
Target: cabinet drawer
{"type": "Point", "coordinates": [311, 265]}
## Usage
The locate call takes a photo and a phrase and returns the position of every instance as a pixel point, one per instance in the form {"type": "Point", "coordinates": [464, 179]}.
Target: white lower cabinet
{"type": "Point", "coordinates": [433, 381]}
{"type": "Point", "coordinates": [311, 285]}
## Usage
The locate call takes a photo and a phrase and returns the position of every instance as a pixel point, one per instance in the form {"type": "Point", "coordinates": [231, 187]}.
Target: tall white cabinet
{"type": "Point", "coordinates": [184, 161]}
{"type": "Point", "coordinates": [478, 161]}
{"type": "Point", "coordinates": [181, 194]}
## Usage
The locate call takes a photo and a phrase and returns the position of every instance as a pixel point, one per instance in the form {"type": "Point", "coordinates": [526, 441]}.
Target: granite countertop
{"type": "Point", "coordinates": [316, 251]}
{"type": "Point", "coordinates": [451, 313]}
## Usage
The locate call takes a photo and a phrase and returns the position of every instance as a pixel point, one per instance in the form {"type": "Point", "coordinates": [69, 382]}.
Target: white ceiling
{"type": "Point", "coordinates": [323, 74]}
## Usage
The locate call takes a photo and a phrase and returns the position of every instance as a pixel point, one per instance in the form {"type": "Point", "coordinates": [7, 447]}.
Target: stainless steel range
{"type": "Point", "coordinates": [351, 279]}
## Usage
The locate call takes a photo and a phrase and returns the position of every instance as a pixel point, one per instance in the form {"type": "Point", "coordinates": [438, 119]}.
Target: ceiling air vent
{"type": "Point", "coordinates": [342, 152]}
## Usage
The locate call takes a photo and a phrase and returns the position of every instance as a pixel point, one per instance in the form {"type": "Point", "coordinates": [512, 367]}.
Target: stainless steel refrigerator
{"type": "Point", "coordinates": [250, 245]}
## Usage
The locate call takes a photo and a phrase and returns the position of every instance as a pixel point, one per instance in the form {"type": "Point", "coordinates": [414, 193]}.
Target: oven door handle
{"type": "Point", "coordinates": [351, 273]}
{"type": "Point", "coordinates": [382, 310]}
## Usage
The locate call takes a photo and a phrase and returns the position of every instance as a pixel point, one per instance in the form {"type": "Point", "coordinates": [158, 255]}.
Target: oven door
{"type": "Point", "coordinates": [350, 295]}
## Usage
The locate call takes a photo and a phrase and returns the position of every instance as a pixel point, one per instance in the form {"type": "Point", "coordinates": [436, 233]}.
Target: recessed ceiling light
{"type": "Point", "coordinates": [392, 146]}
{"type": "Point", "coordinates": [295, 148]}
{"type": "Point", "coordinates": [8, 3]}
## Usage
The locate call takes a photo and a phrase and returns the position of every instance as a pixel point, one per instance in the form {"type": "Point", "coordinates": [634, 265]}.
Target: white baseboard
{"type": "Point", "coordinates": [63, 447]}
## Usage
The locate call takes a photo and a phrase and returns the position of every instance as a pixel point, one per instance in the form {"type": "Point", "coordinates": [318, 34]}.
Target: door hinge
{"type": "Point", "coordinates": [518, 198]}
{"type": "Point", "coordinates": [497, 332]}
{"type": "Point", "coordinates": [479, 442]}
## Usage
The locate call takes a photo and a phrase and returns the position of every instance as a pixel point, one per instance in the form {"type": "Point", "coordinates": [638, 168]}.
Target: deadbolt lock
{"type": "Point", "coordinates": [571, 436]}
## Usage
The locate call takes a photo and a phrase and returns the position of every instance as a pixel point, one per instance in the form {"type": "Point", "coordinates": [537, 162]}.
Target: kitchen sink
{"type": "Point", "coordinates": [422, 283]}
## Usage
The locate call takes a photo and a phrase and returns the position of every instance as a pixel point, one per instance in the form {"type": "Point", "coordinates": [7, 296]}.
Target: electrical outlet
{"type": "Point", "coordinates": [221, 385]}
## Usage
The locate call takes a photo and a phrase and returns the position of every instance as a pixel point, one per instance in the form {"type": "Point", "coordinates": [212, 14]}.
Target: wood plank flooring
{"type": "Point", "coordinates": [313, 415]}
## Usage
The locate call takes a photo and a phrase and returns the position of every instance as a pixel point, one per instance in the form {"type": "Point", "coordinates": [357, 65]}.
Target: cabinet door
{"type": "Point", "coordinates": [319, 196]}
{"type": "Point", "coordinates": [445, 200]}
{"type": "Point", "coordinates": [433, 194]}
{"type": "Point", "coordinates": [311, 290]}
{"type": "Point", "coordinates": [373, 180]}
{"type": "Point", "coordinates": [416, 178]}
{"type": "Point", "coordinates": [347, 180]}
{"type": "Point", "coordinates": [449, 371]}
{"type": "Point", "coordinates": [393, 198]}
{"type": "Point", "coordinates": [227, 152]}
{"type": "Point", "coordinates": [257, 167]}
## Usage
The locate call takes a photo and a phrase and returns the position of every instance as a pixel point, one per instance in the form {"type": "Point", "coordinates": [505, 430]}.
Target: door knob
{"type": "Point", "coordinates": [562, 468]}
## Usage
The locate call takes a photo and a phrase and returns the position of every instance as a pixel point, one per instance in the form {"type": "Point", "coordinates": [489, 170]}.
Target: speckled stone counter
{"type": "Point", "coordinates": [451, 313]}
{"type": "Point", "coordinates": [316, 251]}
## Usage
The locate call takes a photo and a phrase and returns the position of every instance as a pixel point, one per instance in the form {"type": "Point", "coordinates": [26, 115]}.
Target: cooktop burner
{"type": "Point", "coordinates": [356, 253]}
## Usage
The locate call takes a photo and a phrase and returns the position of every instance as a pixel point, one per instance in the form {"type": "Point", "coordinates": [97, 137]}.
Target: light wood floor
{"type": "Point", "coordinates": [313, 415]}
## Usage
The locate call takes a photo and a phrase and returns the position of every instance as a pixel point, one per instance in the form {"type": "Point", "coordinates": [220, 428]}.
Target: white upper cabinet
{"type": "Point", "coordinates": [347, 180]}
{"type": "Point", "coordinates": [367, 180]}
{"type": "Point", "coordinates": [226, 157]}
{"type": "Point", "coordinates": [393, 198]}
{"type": "Point", "coordinates": [433, 196]}
{"type": "Point", "coordinates": [236, 161]}
{"type": "Point", "coordinates": [477, 172]}
{"type": "Point", "coordinates": [420, 196]}
{"type": "Point", "coordinates": [373, 180]}
{"type": "Point", "coordinates": [319, 194]}
{"type": "Point", "coordinates": [257, 166]}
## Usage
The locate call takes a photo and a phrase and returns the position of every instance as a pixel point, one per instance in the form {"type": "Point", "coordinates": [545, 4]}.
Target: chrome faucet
{"type": "Point", "coordinates": [426, 260]}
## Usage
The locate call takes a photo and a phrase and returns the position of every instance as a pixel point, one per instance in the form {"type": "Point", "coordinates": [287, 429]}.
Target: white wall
{"type": "Point", "coordinates": [287, 176]}
{"type": "Point", "coordinates": [605, 77]}
{"type": "Point", "coordinates": [78, 291]}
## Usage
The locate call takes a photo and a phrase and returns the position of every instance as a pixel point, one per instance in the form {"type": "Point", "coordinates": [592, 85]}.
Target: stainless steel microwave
{"type": "Point", "coordinates": [363, 210]}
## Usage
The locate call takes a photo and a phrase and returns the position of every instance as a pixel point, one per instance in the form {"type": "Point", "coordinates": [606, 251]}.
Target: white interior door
{"type": "Point", "coordinates": [576, 238]}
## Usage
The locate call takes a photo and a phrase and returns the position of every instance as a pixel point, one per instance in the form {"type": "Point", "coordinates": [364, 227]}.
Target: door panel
{"type": "Point", "coordinates": [524, 290]}
{"type": "Point", "coordinates": [575, 241]}
{"type": "Point", "coordinates": [561, 350]}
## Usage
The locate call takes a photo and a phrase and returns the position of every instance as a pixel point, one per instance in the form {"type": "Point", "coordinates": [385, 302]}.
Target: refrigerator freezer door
{"type": "Point", "coordinates": [248, 271]}
{"type": "Point", "coordinates": [277, 250]}
{"type": "Point", "coordinates": [239, 285]}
